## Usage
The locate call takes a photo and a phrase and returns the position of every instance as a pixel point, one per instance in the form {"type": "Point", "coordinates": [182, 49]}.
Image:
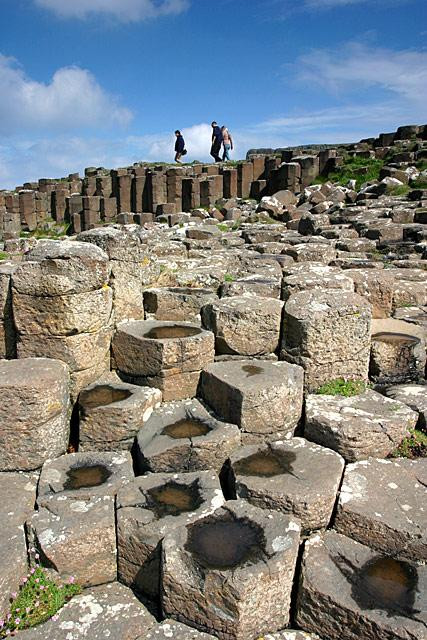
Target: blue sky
{"type": "Point", "coordinates": [106, 82]}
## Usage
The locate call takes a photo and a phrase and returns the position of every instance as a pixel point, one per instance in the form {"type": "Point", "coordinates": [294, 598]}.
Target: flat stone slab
{"type": "Point", "coordinates": [34, 422]}
{"type": "Point", "coordinates": [77, 538]}
{"type": "Point", "coordinates": [170, 629]}
{"type": "Point", "coordinates": [184, 436]}
{"type": "Point", "coordinates": [231, 573]}
{"type": "Point", "coordinates": [349, 591]}
{"type": "Point", "coordinates": [295, 477]}
{"type": "Point", "coordinates": [82, 476]}
{"type": "Point", "coordinates": [109, 611]}
{"type": "Point", "coordinates": [264, 398]}
{"type": "Point", "coordinates": [244, 325]}
{"type": "Point", "coordinates": [176, 303]}
{"type": "Point", "coordinates": [413, 395]}
{"type": "Point", "coordinates": [111, 414]}
{"type": "Point", "coordinates": [383, 504]}
{"type": "Point", "coordinates": [358, 427]}
{"type": "Point", "coordinates": [150, 507]}
{"type": "Point", "coordinates": [317, 277]}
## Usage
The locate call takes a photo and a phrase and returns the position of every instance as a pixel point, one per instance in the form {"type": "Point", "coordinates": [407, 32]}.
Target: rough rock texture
{"type": "Point", "coordinates": [17, 498]}
{"type": "Point", "coordinates": [176, 303]}
{"type": "Point", "coordinates": [314, 276]}
{"type": "Point", "coordinates": [244, 325]}
{"type": "Point", "coordinates": [376, 287]}
{"type": "Point", "coordinates": [77, 538]}
{"type": "Point", "coordinates": [328, 334]}
{"type": "Point", "coordinates": [206, 445]}
{"type": "Point", "coordinates": [103, 475]}
{"type": "Point", "coordinates": [398, 351]}
{"type": "Point", "coordinates": [263, 398]}
{"type": "Point", "coordinates": [413, 395]}
{"type": "Point", "coordinates": [382, 504]}
{"type": "Point", "coordinates": [171, 364]}
{"type": "Point", "coordinates": [208, 589]}
{"type": "Point", "coordinates": [108, 611]}
{"type": "Point", "coordinates": [295, 477]}
{"type": "Point", "coordinates": [359, 426]}
{"type": "Point", "coordinates": [338, 601]}
{"type": "Point", "coordinates": [112, 413]}
{"type": "Point", "coordinates": [33, 412]}
{"type": "Point", "coordinates": [171, 629]}
{"type": "Point", "coordinates": [148, 509]}
{"type": "Point", "coordinates": [7, 327]}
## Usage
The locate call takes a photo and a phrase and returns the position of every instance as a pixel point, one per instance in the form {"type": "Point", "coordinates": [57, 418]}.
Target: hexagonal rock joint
{"type": "Point", "coordinates": [295, 477]}
{"type": "Point", "coordinates": [147, 509]}
{"type": "Point", "coordinates": [184, 436]}
{"type": "Point", "coordinates": [112, 413]}
{"type": "Point", "coordinates": [263, 398]}
{"type": "Point", "coordinates": [230, 574]}
{"type": "Point", "coordinates": [166, 355]}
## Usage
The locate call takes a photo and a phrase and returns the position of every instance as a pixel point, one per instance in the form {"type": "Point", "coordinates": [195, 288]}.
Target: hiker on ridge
{"type": "Point", "coordinates": [216, 142]}
{"type": "Point", "coordinates": [227, 142]}
{"type": "Point", "coordinates": [179, 146]}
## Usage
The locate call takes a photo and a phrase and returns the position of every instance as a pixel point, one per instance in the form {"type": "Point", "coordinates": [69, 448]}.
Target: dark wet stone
{"type": "Point", "coordinates": [102, 395]}
{"type": "Point", "coordinates": [86, 476]}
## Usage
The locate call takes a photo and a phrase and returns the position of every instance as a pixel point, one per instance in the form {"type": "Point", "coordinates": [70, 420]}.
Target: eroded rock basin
{"type": "Point", "coordinates": [173, 498]}
{"type": "Point", "coordinates": [186, 428]}
{"type": "Point", "coordinates": [266, 464]}
{"type": "Point", "coordinates": [102, 395]}
{"type": "Point", "coordinates": [171, 332]}
{"type": "Point", "coordinates": [398, 339]}
{"type": "Point", "coordinates": [86, 476]}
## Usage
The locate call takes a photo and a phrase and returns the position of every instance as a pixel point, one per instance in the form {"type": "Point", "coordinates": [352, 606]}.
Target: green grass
{"type": "Point", "coordinates": [228, 277]}
{"type": "Point", "coordinates": [341, 387]}
{"type": "Point", "coordinates": [222, 227]}
{"type": "Point", "coordinates": [349, 171]}
{"type": "Point", "coordinates": [421, 165]}
{"type": "Point", "coordinates": [399, 190]}
{"type": "Point", "coordinates": [39, 598]}
{"type": "Point", "coordinates": [4, 255]}
{"type": "Point", "coordinates": [414, 446]}
{"type": "Point", "coordinates": [419, 184]}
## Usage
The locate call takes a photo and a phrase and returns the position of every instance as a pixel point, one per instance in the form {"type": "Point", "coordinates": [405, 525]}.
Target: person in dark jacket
{"type": "Point", "coordinates": [179, 146]}
{"type": "Point", "coordinates": [216, 142]}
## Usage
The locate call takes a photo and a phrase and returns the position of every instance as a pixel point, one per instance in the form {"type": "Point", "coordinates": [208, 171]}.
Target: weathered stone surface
{"type": "Point", "coordinates": [376, 287]}
{"type": "Point", "coordinates": [242, 325]}
{"type": "Point", "coordinates": [82, 476]}
{"type": "Point", "coordinates": [176, 303]}
{"type": "Point", "coordinates": [263, 398]}
{"type": "Point", "coordinates": [414, 315]}
{"type": "Point", "coordinates": [183, 436]}
{"type": "Point", "coordinates": [413, 395]}
{"type": "Point", "coordinates": [295, 477]}
{"type": "Point", "coordinates": [122, 242]}
{"type": "Point", "coordinates": [328, 334]}
{"type": "Point", "coordinates": [17, 498]}
{"type": "Point", "coordinates": [253, 285]}
{"type": "Point", "coordinates": [358, 427]}
{"type": "Point", "coordinates": [225, 588]}
{"type": "Point", "coordinates": [33, 412]}
{"type": "Point", "coordinates": [77, 538]}
{"type": "Point", "coordinates": [170, 362]}
{"type": "Point", "coordinates": [7, 327]}
{"type": "Point", "coordinates": [108, 611]}
{"type": "Point", "coordinates": [317, 277]}
{"type": "Point", "coordinates": [290, 635]}
{"type": "Point", "coordinates": [343, 595]}
{"type": "Point", "coordinates": [312, 252]}
{"type": "Point", "coordinates": [398, 351]}
{"type": "Point", "coordinates": [65, 315]}
{"type": "Point", "coordinates": [56, 268]}
{"type": "Point", "coordinates": [150, 507]}
{"type": "Point", "coordinates": [112, 413]}
{"type": "Point", "coordinates": [382, 505]}
{"type": "Point", "coordinates": [171, 629]}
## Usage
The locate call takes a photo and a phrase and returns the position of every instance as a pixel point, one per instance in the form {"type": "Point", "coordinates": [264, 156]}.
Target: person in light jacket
{"type": "Point", "coordinates": [227, 142]}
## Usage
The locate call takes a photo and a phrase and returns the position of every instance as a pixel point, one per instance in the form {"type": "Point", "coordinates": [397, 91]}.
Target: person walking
{"type": "Point", "coordinates": [227, 142]}
{"type": "Point", "coordinates": [216, 142]}
{"type": "Point", "coordinates": [179, 146]}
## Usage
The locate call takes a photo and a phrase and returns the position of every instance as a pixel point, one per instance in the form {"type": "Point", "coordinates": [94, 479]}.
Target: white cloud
{"type": "Point", "coordinates": [72, 99]}
{"type": "Point", "coordinates": [356, 66]}
{"type": "Point", "coordinates": [123, 10]}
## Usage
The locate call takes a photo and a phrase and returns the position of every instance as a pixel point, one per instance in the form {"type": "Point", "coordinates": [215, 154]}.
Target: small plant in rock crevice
{"type": "Point", "coordinates": [37, 600]}
{"type": "Point", "coordinates": [341, 387]}
{"type": "Point", "coordinates": [228, 277]}
{"type": "Point", "coordinates": [413, 446]}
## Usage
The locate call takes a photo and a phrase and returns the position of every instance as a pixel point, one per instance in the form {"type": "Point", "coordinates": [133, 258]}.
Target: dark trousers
{"type": "Point", "coordinates": [215, 149]}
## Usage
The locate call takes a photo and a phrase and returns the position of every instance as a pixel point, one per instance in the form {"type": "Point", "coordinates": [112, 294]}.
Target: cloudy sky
{"type": "Point", "coordinates": [106, 82]}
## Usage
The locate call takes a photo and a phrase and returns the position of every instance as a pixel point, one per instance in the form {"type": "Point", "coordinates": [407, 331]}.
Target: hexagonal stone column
{"type": "Point", "coordinates": [378, 596]}
{"type": "Point", "coordinates": [244, 325]}
{"type": "Point", "coordinates": [179, 304]}
{"type": "Point", "coordinates": [112, 413]}
{"type": "Point", "coordinates": [108, 611]}
{"type": "Point", "coordinates": [82, 476]}
{"type": "Point", "coordinates": [360, 426]}
{"type": "Point", "coordinates": [152, 506]}
{"type": "Point", "coordinates": [230, 574]}
{"type": "Point", "coordinates": [413, 395]}
{"type": "Point", "coordinates": [263, 398]}
{"type": "Point", "coordinates": [295, 477]}
{"type": "Point", "coordinates": [165, 355]}
{"type": "Point", "coordinates": [398, 351]}
{"type": "Point", "coordinates": [34, 406]}
{"type": "Point", "coordinates": [382, 505]}
{"type": "Point", "coordinates": [328, 334]}
{"type": "Point", "coordinates": [305, 277]}
{"type": "Point", "coordinates": [183, 436]}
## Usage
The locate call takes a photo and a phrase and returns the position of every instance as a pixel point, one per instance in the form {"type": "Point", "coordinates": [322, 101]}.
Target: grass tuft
{"type": "Point", "coordinates": [414, 446]}
{"type": "Point", "coordinates": [3, 255]}
{"type": "Point", "coordinates": [341, 387]}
